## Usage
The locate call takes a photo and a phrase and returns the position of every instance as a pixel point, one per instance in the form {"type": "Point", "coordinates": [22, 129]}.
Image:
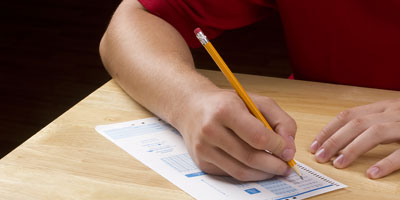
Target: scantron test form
{"type": "Point", "coordinates": [161, 147]}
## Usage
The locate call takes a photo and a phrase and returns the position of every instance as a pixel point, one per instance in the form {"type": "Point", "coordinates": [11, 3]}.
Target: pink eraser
{"type": "Point", "coordinates": [197, 30]}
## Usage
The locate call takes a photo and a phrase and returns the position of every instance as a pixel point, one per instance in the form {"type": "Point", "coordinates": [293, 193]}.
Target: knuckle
{"type": "Point", "coordinates": [221, 110]}
{"type": "Point", "coordinates": [268, 100]}
{"type": "Point", "coordinates": [274, 143]}
{"type": "Point", "coordinates": [276, 147]}
{"type": "Point", "coordinates": [376, 129]}
{"type": "Point", "coordinates": [357, 122]}
{"type": "Point", "coordinates": [200, 150]}
{"type": "Point", "coordinates": [250, 159]}
{"type": "Point", "coordinates": [208, 130]}
{"type": "Point", "coordinates": [204, 166]}
{"type": "Point", "coordinates": [241, 174]}
{"type": "Point", "coordinates": [350, 152]}
{"type": "Point", "coordinates": [279, 169]}
{"type": "Point", "coordinates": [344, 115]}
{"type": "Point", "coordinates": [323, 134]}
{"type": "Point", "coordinates": [288, 126]}
{"type": "Point", "coordinates": [260, 141]}
{"type": "Point", "coordinates": [332, 143]}
{"type": "Point", "coordinates": [226, 107]}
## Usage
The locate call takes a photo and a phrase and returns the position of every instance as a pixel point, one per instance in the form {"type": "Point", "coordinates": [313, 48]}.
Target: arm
{"type": "Point", "coordinates": [144, 53]}
{"type": "Point", "coordinates": [150, 60]}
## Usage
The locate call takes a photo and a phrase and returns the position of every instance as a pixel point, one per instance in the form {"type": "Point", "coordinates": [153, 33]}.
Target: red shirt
{"type": "Point", "coordinates": [352, 42]}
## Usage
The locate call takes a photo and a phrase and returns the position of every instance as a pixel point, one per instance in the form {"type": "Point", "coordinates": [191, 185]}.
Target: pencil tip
{"type": "Point", "coordinates": [301, 178]}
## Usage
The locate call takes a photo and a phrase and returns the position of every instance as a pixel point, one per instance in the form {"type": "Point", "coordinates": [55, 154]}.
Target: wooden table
{"type": "Point", "coordinates": [68, 159]}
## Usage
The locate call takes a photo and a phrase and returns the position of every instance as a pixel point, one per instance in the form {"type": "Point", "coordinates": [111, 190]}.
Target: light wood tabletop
{"type": "Point", "coordinates": [68, 159]}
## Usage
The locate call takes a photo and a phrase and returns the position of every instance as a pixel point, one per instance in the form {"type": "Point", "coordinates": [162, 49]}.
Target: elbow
{"type": "Point", "coordinates": [103, 51]}
{"type": "Point", "coordinates": [102, 48]}
{"type": "Point", "coordinates": [106, 55]}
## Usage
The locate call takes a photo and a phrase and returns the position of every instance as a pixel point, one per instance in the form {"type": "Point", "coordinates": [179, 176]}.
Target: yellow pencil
{"type": "Point", "coordinates": [236, 85]}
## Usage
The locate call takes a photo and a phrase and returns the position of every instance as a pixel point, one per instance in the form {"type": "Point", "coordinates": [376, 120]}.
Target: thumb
{"type": "Point", "coordinates": [279, 120]}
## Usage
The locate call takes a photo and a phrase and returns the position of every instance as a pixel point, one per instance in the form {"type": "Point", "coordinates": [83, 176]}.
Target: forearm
{"type": "Point", "coordinates": [150, 60]}
{"type": "Point", "coordinates": [152, 63]}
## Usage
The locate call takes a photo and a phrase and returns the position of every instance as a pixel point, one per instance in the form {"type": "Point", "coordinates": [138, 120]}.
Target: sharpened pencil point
{"type": "Point", "coordinates": [297, 171]}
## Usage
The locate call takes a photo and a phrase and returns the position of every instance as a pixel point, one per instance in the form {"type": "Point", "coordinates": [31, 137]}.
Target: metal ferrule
{"type": "Point", "coordinates": [202, 38]}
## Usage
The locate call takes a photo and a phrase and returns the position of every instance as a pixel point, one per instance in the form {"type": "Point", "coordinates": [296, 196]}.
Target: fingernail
{"type": "Point", "coordinates": [320, 155]}
{"type": "Point", "coordinates": [338, 162]}
{"type": "Point", "coordinates": [373, 172]}
{"type": "Point", "coordinates": [314, 146]}
{"type": "Point", "coordinates": [287, 154]}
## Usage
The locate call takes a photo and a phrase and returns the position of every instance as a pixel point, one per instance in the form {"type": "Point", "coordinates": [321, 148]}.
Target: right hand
{"type": "Point", "coordinates": [224, 138]}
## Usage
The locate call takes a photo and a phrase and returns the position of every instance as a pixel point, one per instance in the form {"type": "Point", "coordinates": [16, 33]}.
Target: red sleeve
{"type": "Point", "coordinates": [212, 16]}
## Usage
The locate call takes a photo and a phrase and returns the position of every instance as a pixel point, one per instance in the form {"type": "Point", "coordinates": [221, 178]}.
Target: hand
{"type": "Point", "coordinates": [358, 130]}
{"type": "Point", "coordinates": [224, 138]}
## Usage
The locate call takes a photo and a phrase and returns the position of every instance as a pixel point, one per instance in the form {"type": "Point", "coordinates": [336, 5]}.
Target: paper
{"type": "Point", "coordinates": [161, 147]}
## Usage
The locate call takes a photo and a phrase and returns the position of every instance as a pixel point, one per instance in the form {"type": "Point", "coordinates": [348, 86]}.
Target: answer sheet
{"type": "Point", "coordinates": [160, 146]}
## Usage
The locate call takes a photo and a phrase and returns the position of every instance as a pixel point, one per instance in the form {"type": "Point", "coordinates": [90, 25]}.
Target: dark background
{"type": "Point", "coordinates": [49, 59]}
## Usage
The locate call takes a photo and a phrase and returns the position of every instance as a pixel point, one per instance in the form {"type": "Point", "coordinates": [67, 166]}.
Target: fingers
{"type": "Point", "coordinates": [348, 133]}
{"type": "Point", "coordinates": [281, 122]}
{"type": "Point", "coordinates": [233, 167]}
{"type": "Point", "coordinates": [244, 153]}
{"type": "Point", "coordinates": [342, 119]}
{"type": "Point", "coordinates": [253, 132]}
{"type": "Point", "coordinates": [385, 166]}
{"type": "Point", "coordinates": [228, 139]}
{"type": "Point", "coordinates": [356, 129]}
{"type": "Point", "coordinates": [373, 136]}
{"type": "Point", "coordinates": [211, 169]}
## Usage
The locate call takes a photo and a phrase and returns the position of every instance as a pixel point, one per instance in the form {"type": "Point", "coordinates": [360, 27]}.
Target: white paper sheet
{"type": "Point", "coordinates": [161, 147]}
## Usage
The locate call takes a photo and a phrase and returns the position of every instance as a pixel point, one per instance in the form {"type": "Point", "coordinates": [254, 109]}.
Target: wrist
{"type": "Point", "coordinates": [190, 100]}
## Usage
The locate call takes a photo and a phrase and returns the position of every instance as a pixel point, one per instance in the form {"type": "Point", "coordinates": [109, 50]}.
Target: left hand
{"type": "Point", "coordinates": [356, 131]}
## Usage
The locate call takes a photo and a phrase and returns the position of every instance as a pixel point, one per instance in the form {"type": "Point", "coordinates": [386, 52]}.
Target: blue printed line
{"type": "Point", "coordinates": [305, 192]}
{"type": "Point", "coordinates": [252, 191]}
{"type": "Point", "coordinates": [195, 174]}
